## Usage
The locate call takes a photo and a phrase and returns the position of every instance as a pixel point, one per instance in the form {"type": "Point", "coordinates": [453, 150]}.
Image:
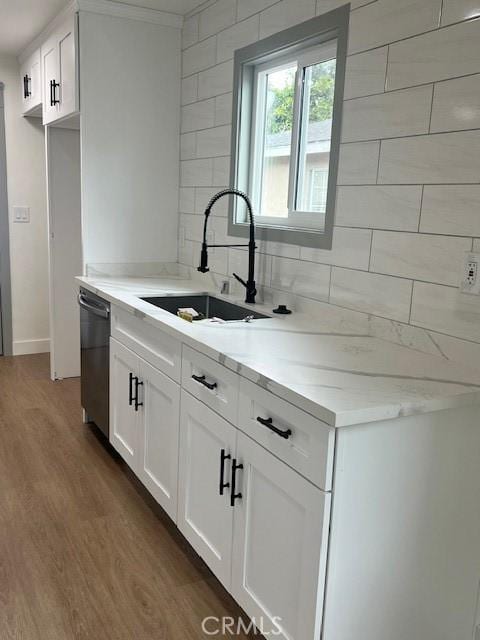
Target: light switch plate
{"type": "Point", "coordinates": [21, 214]}
{"type": "Point", "coordinates": [471, 274]}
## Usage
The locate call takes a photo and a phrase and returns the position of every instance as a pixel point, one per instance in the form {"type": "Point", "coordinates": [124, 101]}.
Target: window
{"type": "Point", "coordinates": [287, 110]}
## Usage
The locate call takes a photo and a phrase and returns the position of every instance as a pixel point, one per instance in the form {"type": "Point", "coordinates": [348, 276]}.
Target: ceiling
{"type": "Point", "coordinates": [22, 20]}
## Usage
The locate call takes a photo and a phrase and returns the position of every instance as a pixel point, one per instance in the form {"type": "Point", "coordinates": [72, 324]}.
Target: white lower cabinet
{"type": "Point", "coordinates": [280, 544]}
{"type": "Point", "coordinates": [144, 423]}
{"type": "Point", "coordinates": [205, 517]}
{"type": "Point", "coordinates": [260, 526]}
{"type": "Point", "coordinates": [159, 427]}
{"type": "Point", "coordinates": [124, 365]}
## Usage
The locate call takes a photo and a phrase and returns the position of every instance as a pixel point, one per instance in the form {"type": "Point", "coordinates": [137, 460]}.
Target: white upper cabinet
{"type": "Point", "coordinates": [31, 86]}
{"type": "Point", "coordinates": [59, 71]}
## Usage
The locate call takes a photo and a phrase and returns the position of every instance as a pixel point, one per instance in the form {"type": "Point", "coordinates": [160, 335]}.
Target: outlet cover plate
{"type": "Point", "coordinates": [470, 282]}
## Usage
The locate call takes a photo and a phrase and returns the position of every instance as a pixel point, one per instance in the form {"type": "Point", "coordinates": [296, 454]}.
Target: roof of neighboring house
{"type": "Point", "coordinates": [317, 132]}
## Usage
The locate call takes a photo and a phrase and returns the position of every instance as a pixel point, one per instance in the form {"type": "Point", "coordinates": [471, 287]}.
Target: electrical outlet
{"type": "Point", "coordinates": [471, 274]}
{"type": "Point", "coordinates": [21, 214]}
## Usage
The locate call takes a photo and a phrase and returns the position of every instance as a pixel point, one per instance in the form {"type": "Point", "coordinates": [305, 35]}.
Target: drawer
{"type": "Point", "coordinates": [210, 382]}
{"type": "Point", "coordinates": [152, 344]}
{"type": "Point", "coordinates": [303, 442]}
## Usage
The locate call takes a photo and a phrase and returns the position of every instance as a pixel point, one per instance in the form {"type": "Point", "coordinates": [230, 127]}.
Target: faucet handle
{"type": "Point", "coordinates": [241, 280]}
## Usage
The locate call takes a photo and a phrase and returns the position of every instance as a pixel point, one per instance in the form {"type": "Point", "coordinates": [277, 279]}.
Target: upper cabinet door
{"type": "Point", "coordinates": [67, 67]}
{"type": "Point", "coordinates": [124, 411]}
{"type": "Point", "coordinates": [205, 516]}
{"type": "Point", "coordinates": [59, 67]}
{"type": "Point", "coordinates": [159, 433]}
{"type": "Point", "coordinates": [50, 79]}
{"type": "Point", "coordinates": [31, 87]}
{"type": "Point", "coordinates": [280, 545]}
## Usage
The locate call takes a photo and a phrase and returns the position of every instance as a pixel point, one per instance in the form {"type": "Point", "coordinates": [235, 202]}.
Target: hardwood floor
{"type": "Point", "coordinates": [84, 552]}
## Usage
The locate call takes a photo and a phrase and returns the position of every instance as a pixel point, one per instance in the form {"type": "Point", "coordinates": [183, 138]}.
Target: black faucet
{"type": "Point", "coordinates": [203, 268]}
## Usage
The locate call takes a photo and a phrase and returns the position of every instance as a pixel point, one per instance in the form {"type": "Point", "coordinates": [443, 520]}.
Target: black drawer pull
{"type": "Point", "coordinates": [201, 380]}
{"type": "Point", "coordinates": [223, 456]}
{"type": "Point", "coordinates": [138, 383]}
{"type": "Point", "coordinates": [130, 389]}
{"type": "Point", "coordinates": [268, 422]}
{"type": "Point", "coordinates": [234, 496]}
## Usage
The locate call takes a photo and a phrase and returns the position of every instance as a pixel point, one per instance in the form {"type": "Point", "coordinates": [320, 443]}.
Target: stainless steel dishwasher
{"type": "Point", "coordinates": [95, 358]}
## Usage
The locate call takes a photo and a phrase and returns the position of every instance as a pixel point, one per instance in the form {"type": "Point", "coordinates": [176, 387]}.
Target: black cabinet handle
{"type": "Point", "coordinates": [223, 485]}
{"type": "Point", "coordinates": [130, 389]}
{"type": "Point", "coordinates": [201, 380]}
{"type": "Point", "coordinates": [53, 91]}
{"type": "Point", "coordinates": [233, 495]}
{"type": "Point", "coordinates": [138, 383]}
{"type": "Point", "coordinates": [268, 422]}
{"type": "Point", "coordinates": [26, 88]}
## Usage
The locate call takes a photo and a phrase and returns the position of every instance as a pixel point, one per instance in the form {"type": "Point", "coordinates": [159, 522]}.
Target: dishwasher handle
{"type": "Point", "coordinates": [102, 312]}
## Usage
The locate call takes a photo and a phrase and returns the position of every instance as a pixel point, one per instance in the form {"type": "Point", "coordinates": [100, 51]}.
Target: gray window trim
{"type": "Point", "coordinates": [5, 285]}
{"type": "Point", "coordinates": [328, 26]}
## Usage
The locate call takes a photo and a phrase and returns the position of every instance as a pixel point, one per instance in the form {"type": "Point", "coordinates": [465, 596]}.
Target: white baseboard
{"type": "Point", "coordinates": [23, 347]}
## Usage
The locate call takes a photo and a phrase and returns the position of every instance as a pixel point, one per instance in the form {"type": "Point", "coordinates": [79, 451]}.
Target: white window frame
{"type": "Point", "coordinates": [314, 41]}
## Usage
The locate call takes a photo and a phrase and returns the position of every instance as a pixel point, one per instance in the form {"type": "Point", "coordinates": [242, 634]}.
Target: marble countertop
{"type": "Point", "coordinates": [325, 367]}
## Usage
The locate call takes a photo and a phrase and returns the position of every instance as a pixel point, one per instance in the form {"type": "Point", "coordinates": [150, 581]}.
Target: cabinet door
{"type": "Point", "coordinates": [204, 516]}
{"type": "Point", "coordinates": [50, 75]}
{"type": "Point", "coordinates": [67, 68]}
{"type": "Point", "coordinates": [30, 81]}
{"type": "Point", "coordinates": [124, 421]}
{"type": "Point", "coordinates": [159, 433]}
{"type": "Point", "coordinates": [280, 545]}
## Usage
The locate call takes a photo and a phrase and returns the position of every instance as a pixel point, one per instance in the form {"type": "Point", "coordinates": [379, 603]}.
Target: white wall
{"type": "Point", "coordinates": [409, 177]}
{"type": "Point", "coordinates": [28, 242]}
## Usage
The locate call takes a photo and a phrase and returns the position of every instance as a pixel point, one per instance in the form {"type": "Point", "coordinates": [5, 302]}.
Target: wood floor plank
{"type": "Point", "coordinates": [85, 553]}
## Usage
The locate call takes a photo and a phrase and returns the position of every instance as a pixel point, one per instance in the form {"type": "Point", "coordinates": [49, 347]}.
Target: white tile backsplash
{"type": "Point", "coordinates": [439, 55]}
{"type": "Point", "coordinates": [379, 207]}
{"type": "Point", "coordinates": [390, 20]}
{"type": "Point", "coordinates": [365, 73]}
{"type": "Point", "coordinates": [408, 192]}
{"type": "Point", "coordinates": [306, 279]}
{"type": "Point", "coordinates": [432, 159]}
{"type": "Point", "coordinates": [446, 310]}
{"type": "Point", "coordinates": [350, 248]}
{"type": "Point", "coordinates": [199, 115]}
{"type": "Point", "coordinates": [223, 109]}
{"type": "Point", "coordinates": [216, 17]}
{"type": "Point", "coordinates": [199, 56]}
{"type": "Point", "coordinates": [418, 256]}
{"type": "Point", "coordinates": [213, 142]}
{"type": "Point", "coordinates": [189, 89]}
{"type": "Point", "coordinates": [387, 115]}
{"type": "Point", "coordinates": [371, 293]}
{"type": "Point", "coordinates": [458, 10]}
{"type": "Point", "coordinates": [451, 210]}
{"type": "Point", "coordinates": [284, 14]}
{"type": "Point", "coordinates": [237, 37]}
{"type": "Point", "coordinates": [358, 163]}
{"type": "Point", "coordinates": [456, 104]}
{"type": "Point", "coordinates": [216, 80]}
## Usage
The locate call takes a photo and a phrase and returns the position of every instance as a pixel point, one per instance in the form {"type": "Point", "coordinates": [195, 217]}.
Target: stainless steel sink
{"type": "Point", "coordinates": [209, 306]}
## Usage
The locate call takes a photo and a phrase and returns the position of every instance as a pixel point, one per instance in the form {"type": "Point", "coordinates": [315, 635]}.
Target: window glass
{"type": "Point", "coordinates": [315, 135]}
{"type": "Point", "coordinates": [275, 95]}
